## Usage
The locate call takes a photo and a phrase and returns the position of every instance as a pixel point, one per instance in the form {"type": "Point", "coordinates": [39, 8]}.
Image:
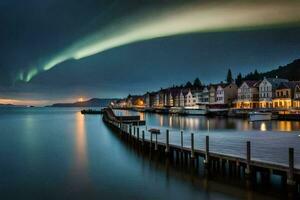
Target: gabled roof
{"type": "Point", "coordinates": [275, 82]}
{"type": "Point", "coordinates": [252, 83]}
{"type": "Point", "coordinates": [288, 85]}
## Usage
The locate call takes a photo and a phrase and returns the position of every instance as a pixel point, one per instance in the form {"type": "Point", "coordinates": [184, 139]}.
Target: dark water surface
{"type": "Point", "coordinates": [57, 153]}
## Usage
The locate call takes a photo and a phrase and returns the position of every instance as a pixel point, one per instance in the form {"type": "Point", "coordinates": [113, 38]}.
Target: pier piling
{"type": "Point", "coordinates": [143, 137]}
{"type": "Point", "coordinates": [213, 161]}
{"type": "Point", "coordinates": [206, 161]}
{"type": "Point", "coordinates": [248, 159]}
{"type": "Point", "coordinates": [167, 142]}
{"type": "Point", "coordinates": [192, 146]}
{"type": "Point", "coordinates": [290, 174]}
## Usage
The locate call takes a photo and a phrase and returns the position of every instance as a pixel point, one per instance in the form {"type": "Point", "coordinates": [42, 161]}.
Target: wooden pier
{"type": "Point", "coordinates": [128, 128]}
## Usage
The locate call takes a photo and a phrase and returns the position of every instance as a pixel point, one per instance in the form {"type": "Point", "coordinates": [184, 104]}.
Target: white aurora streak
{"type": "Point", "coordinates": [191, 18]}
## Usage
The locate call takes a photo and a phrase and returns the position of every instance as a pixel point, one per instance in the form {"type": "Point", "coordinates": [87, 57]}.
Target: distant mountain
{"type": "Point", "coordinates": [95, 102]}
{"type": "Point", "coordinates": [11, 105]}
{"type": "Point", "coordinates": [290, 71]}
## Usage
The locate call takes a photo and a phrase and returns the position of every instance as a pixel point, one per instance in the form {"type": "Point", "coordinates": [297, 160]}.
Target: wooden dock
{"type": "Point", "coordinates": [128, 128]}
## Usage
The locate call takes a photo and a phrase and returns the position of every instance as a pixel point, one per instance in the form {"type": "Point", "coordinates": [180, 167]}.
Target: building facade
{"type": "Point", "coordinates": [248, 95]}
{"type": "Point", "coordinates": [267, 89]}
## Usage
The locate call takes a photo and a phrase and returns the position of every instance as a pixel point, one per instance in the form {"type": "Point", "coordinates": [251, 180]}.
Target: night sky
{"type": "Point", "coordinates": [54, 50]}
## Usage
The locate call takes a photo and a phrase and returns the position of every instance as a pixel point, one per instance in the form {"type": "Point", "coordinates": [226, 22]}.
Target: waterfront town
{"type": "Point", "coordinates": [229, 98]}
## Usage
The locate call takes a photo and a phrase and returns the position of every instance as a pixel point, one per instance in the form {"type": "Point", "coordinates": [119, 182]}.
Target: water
{"type": "Point", "coordinates": [57, 153]}
{"type": "Point", "coordinates": [269, 140]}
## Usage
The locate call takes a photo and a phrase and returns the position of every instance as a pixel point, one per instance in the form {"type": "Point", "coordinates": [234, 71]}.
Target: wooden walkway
{"type": "Point", "coordinates": [130, 130]}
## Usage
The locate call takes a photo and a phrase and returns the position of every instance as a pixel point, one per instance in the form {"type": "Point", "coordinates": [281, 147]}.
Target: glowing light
{"type": "Point", "coordinates": [188, 18]}
{"type": "Point", "coordinates": [263, 127]}
{"type": "Point", "coordinates": [80, 99]}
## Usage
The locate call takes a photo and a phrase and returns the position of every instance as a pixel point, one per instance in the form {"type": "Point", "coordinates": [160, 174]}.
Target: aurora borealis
{"type": "Point", "coordinates": [55, 50]}
{"type": "Point", "coordinates": [183, 19]}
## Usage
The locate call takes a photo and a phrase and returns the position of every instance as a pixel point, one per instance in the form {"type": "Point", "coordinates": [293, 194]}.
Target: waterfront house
{"type": "Point", "coordinates": [204, 96]}
{"type": "Point", "coordinates": [296, 100]}
{"type": "Point", "coordinates": [198, 95]}
{"type": "Point", "coordinates": [156, 100]}
{"type": "Point", "coordinates": [183, 97]}
{"type": "Point", "coordinates": [135, 101]}
{"type": "Point", "coordinates": [283, 96]}
{"type": "Point", "coordinates": [190, 99]}
{"type": "Point", "coordinates": [248, 95]}
{"type": "Point", "coordinates": [174, 97]}
{"type": "Point", "coordinates": [150, 99]}
{"type": "Point", "coordinates": [226, 93]}
{"type": "Point", "coordinates": [267, 89]}
{"type": "Point", "coordinates": [212, 93]}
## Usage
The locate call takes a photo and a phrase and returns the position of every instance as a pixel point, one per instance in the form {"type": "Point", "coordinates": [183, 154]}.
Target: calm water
{"type": "Point", "coordinates": [269, 140]}
{"type": "Point", "coordinates": [48, 153]}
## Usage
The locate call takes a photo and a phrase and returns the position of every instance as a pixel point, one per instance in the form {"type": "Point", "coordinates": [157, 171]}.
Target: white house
{"type": "Point", "coordinates": [212, 93]}
{"type": "Point", "coordinates": [226, 93]}
{"type": "Point", "coordinates": [267, 89]}
{"type": "Point", "coordinates": [205, 96]}
{"type": "Point", "coordinates": [190, 99]}
{"type": "Point", "coordinates": [248, 95]}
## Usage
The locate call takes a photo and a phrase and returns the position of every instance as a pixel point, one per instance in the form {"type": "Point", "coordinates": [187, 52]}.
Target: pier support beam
{"type": "Point", "coordinates": [192, 146]}
{"type": "Point", "coordinates": [248, 158]}
{"type": "Point", "coordinates": [181, 141]}
{"type": "Point", "coordinates": [143, 137]}
{"type": "Point", "coordinates": [138, 133]}
{"type": "Point", "coordinates": [206, 161]}
{"type": "Point", "coordinates": [130, 131]}
{"type": "Point", "coordinates": [167, 142]}
{"type": "Point", "coordinates": [290, 173]}
{"type": "Point", "coordinates": [155, 147]}
{"type": "Point", "coordinates": [151, 138]}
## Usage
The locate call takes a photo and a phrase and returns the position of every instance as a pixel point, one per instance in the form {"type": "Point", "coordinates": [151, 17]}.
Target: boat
{"type": "Point", "coordinates": [175, 110]}
{"type": "Point", "coordinates": [91, 112]}
{"type": "Point", "coordinates": [195, 110]}
{"type": "Point", "coordinates": [260, 116]}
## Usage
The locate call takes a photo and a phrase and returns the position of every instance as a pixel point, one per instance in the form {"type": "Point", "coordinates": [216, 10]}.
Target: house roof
{"type": "Point", "coordinates": [275, 82]}
{"type": "Point", "coordinates": [288, 85]}
{"type": "Point", "coordinates": [252, 83]}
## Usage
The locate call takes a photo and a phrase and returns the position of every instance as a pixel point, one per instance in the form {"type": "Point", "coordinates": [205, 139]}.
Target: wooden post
{"type": "Point", "coordinates": [167, 141]}
{"type": "Point", "coordinates": [130, 130]}
{"type": "Point", "coordinates": [155, 148]}
{"type": "Point", "coordinates": [138, 133]}
{"type": "Point", "coordinates": [290, 174]}
{"type": "Point", "coordinates": [134, 130]}
{"type": "Point", "coordinates": [192, 146]}
{"type": "Point", "coordinates": [181, 139]}
{"type": "Point", "coordinates": [206, 161]}
{"type": "Point", "coordinates": [248, 170]}
{"type": "Point", "coordinates": [150, 140]}
{"type": "Point", "coordinates": [143, 137]}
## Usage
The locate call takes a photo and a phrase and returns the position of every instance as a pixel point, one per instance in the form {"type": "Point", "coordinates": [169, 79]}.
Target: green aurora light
{"type": "Point", "coordinates": [184, 19]}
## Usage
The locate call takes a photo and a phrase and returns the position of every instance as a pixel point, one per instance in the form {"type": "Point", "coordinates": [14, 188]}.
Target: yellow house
{"type": "Point", "coordinates": [284, 96]}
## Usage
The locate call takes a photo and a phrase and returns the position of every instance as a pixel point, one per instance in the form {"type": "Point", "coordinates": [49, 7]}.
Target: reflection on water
{"type": "Point", "coordinates": [196, 123]}
{"type": "Point", "coordinates": [263, 126]}
{"type": "Point", "coordinates": [80, 136]}
{"type": "Point", "coordinates": [80, 167]}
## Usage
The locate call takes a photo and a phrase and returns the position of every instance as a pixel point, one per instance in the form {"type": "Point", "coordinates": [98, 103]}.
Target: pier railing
{"type": "Point", "coordinates": [129, 127]}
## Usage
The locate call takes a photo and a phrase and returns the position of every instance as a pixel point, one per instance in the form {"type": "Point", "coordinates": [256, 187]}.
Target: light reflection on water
{"type": "Point", "coordinates": [270, 140]}
{"type": "Point", "coordinates": [195, 123]}
{"type": "Point", "coordinates": [53, 153]}
{"type": "Point", "coordinates": [81, 162]}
